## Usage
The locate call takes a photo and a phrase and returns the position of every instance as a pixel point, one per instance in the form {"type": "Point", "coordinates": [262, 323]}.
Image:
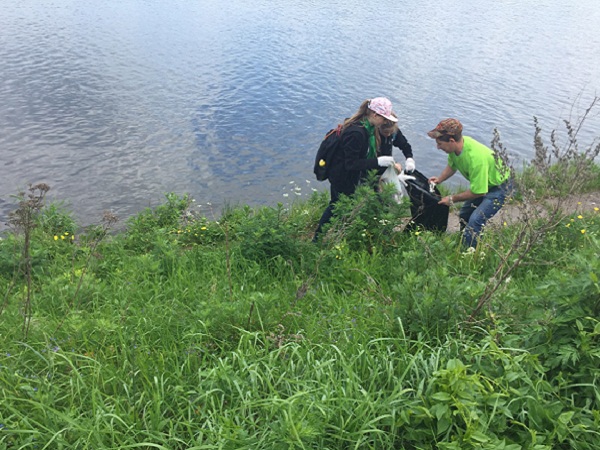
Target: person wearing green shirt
{"type": "Point", "coordinates": [490, 183]}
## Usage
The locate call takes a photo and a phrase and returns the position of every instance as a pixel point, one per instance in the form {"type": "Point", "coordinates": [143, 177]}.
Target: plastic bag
{"type": "Point", "coordinates": [390, 176]}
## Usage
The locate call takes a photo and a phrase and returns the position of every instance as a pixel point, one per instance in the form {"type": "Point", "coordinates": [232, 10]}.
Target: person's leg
{"type": "Point", "coordinates": [488, 206]}
{"type": "Point", "coordinates": [327, 214]}
{"type": "Point", "coordinates": [466, 211]}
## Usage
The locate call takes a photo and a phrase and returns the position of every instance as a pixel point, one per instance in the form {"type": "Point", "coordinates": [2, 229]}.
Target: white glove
{"type": "Point", "coordinates": [410, 165]}
{"type": "Point", "coordinates": [404, 178]}
{"type": "Point", "coordinates": [385, 161]}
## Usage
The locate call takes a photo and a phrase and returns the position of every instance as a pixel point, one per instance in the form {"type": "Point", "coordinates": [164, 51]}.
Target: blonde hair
{"type": "Point", "coordinates": [389, 128]}
{"type": "Point", "coordinates": [363, 113]}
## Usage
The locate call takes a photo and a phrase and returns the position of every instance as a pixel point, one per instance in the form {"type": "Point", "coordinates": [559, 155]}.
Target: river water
{"type": "Point", "coordinates": [115, 103]}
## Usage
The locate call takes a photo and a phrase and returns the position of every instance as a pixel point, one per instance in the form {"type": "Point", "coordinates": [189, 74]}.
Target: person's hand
{"type": "Point", "coordinates": [410, 165]}
{"type": "Point", "coordinates": [448, 201]}
{"type": "Point", "coordinates": [434, 180]}
{"type": "Point", "coordinates": [398, 167]}
{"type": "Point", "coordinates": [404, 178]}
{"type": "Point", "coordinates": [385, 161]}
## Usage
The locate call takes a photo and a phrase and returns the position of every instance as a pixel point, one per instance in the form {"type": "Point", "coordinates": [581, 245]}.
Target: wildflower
{"type": "Point", "coordinates": [568, 225]}
{"type": "Point", "coordinates": [505, 224]}
{"type": "Point", "coordinates": [72, 237]}
{"type": "Point", "coordinates": [66, 233]}
{"type": "Point", "coordinates": [596, 209]}
{"type": "Point", "coordinates": [62, 237]}
{"type": "Point", "coordinates": [203, 228]}
{"type": "Point", "coordinates": [580, 216]}
{"type": "Point", "coordinates": [582, 231]}
{"type": "Point", "coordinates": [417, 233]}
{"type": "Point", "coordinates": [56, 238]}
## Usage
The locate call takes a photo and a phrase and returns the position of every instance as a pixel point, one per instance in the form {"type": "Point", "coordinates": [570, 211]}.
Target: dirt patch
{"type": "Point", "coordinates": [512, 211]}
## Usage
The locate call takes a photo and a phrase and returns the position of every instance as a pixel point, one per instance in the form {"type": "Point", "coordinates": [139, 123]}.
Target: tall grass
{"type": "Point", "coordinates": [183, 332]}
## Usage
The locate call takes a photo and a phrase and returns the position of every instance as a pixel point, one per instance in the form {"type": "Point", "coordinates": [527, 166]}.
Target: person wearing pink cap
{"type": "Point", "coordinates": [359, 151]}
{"type": "Point", "coordinates": [490, 182]}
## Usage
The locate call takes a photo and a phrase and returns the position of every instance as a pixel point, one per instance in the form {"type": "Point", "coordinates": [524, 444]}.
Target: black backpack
{"type": "Point", "coordinates": [328, 146]}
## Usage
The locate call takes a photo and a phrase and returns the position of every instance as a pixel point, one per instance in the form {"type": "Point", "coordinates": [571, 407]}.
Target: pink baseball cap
{"type": "Point", "coordinates": [383, 107]}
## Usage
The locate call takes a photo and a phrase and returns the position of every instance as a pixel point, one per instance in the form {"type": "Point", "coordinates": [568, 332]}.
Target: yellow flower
{"type": "Point", "coordinates": [56, 238]}
{"type": "Point", "coordinates": [73, 237]}
{"type": "Point", "coordinates": [568, 225]}
{"type": "Point", "coordinates": [580, 216]}
{"type": "Point", "coordinates": [582, 231]}
{"type": "Point", "coordinates": [203, 228]}
{"type": "Point", "coordinates": [596, 209]}
{"type": "Point", "coordinates": [417, 233]}
{"type": "Point", "coordinates": [66, 233]}
{"type": "Point", "coordinates": [505, 224]}
{"type": "Point", "coordinates": [62, 237]}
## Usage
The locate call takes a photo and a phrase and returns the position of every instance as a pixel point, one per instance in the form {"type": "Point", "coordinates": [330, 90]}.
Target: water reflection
{"type": "Point", "coordinates": [114, 104]}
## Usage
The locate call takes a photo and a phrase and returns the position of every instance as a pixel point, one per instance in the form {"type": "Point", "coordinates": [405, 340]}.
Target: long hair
{"type": "Point", "coordinates": [362, 114]}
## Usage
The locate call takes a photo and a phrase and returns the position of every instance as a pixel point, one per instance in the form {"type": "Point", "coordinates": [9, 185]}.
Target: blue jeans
{"type": "Point", "coordinates": [475, 213]}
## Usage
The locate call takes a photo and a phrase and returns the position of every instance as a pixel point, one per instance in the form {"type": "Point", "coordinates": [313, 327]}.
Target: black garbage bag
{"type": "Point", "coordinates": [425, 211]}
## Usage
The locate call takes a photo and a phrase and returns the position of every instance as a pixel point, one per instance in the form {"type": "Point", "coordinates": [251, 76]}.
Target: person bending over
{"type": "Point", "coordinates": [391, 136]}
{"type": "Point", "coordinates": [359, 152]}
{"type": "Point", "coordinates": [490, 182]}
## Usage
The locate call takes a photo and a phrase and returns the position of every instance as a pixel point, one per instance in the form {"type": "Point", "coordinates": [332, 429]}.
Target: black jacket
{"type": "Point", "coordinates": [350, 163]}
{"type": "Point", "coordinates": [397, 140]}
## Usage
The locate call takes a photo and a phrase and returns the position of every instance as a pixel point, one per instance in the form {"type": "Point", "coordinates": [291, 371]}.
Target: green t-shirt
{"type": "Point", "coordinates": [477, 164]}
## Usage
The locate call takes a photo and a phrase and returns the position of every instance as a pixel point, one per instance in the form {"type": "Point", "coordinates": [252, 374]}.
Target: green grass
{"type": "Point", "coordinates": [182, 332]}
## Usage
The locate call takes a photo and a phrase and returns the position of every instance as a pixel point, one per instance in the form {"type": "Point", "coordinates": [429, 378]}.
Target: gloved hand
{"type": "Point", "coordinates": [410, 165]}
{"type": "Point", "coordinates": [404, 178]}
{"type": "Point", "coordinates": [385, 161]}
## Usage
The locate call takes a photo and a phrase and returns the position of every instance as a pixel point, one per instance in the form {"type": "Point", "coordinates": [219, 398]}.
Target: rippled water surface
{"type": "Point", "coordinates": [115, 103]}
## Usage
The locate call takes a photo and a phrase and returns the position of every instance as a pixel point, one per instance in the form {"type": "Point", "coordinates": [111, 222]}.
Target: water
{"type": "Point", "coordinates": [115, 103]}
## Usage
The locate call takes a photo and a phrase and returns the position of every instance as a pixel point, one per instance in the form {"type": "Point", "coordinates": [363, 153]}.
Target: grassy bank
{"type": "Point", "coordinates": [182, 332]}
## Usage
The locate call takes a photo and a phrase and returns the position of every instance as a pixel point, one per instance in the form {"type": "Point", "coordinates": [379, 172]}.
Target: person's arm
{"type": "Point", "coordinates": [401, 142]}
{"type": "Point", "coordinates": [446, 173]}
{"type": "Point", "coordinates": [449, 200]}
{"type": "Point", "coordinates": [355, 144]}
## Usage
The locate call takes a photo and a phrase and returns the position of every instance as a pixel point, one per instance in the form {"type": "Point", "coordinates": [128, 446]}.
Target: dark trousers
{"type": "Point", "coordinates": [328, 213]}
